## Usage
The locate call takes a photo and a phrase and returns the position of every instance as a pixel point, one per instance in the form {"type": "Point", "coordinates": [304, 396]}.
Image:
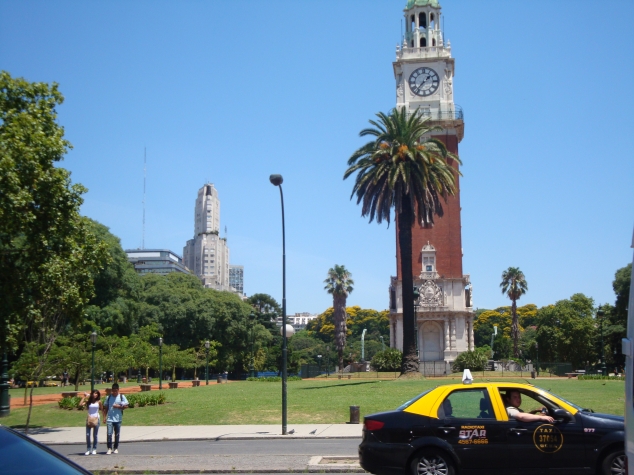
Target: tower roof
{"type": "Point", "coordinates": [422, 3]}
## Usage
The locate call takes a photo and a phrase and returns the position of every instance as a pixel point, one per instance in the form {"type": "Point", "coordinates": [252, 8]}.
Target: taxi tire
{"type": "Point", "coordinates": [436, 458]}
{"type": "Point", "coordinates": [616, 460]}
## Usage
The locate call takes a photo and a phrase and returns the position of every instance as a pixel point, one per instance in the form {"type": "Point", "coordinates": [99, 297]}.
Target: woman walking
{"type": "Point", "coordinates": [93, 402]}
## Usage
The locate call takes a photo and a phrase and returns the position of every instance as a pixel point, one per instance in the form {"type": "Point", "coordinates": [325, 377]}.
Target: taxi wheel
{"type": "Point", "coordinates": [614, 464]}
{"type": "Point", "coordinates": [432, 462]}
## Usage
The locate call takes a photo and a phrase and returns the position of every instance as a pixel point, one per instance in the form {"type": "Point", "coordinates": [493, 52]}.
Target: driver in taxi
{"type": "Point", "coordinates": [513, 401]}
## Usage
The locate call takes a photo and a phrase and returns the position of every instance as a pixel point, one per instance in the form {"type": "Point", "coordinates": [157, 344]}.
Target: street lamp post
{"type": "Point", "coordinates": [537, 356]}
{"type": "Point", "coordinates": [600, 315]}
{"type": "Point", "coordinates": [277, 180]}
{"type": "Point", "coordinates": [93, 339]}
{"type": "Point", "coordinates": [327, 361]}
{"type": "Point", "coordinates": [382, 343]}
{"type": "Point", "coordinates": [252, 362]}
{"type": "Point", "coordinates": [319, 359]}
{"type": "Point", "coordinates": [493, 335]}
{"type": "Point", "coordinates": [160, 363]}
{"type": "Point", "coordinates": [207, 363]}
{"type": "Point", "coordinates": [5, 401]}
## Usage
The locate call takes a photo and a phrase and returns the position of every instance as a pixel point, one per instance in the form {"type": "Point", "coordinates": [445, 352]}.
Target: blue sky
{"type": "Point", "coordinates": [230, 92]}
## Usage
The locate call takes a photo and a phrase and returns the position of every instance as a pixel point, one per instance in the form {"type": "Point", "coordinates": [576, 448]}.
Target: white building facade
{"type": "Point", "coordinates": [207, 254]}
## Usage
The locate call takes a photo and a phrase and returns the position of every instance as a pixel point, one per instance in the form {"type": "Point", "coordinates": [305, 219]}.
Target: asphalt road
{"type": "Point", "coordinates": [221, 456]}
{"type": "Point", "coordinates": [275, 447]}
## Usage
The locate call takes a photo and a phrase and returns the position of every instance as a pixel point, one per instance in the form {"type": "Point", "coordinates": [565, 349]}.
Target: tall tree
{"type": "Point", "coordinates": [403, 168]}
{"type": "Point", "coordinates": [514, 285]}
{"type": "Point", "coordinates": [339, 283]}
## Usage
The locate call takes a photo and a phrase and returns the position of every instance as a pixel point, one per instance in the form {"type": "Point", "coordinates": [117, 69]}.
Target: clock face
{"type": "Point", "coordinates": [424, 82]}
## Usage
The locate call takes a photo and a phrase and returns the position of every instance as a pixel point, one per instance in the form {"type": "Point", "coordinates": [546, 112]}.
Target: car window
{"type": "Point", "coordinates": [411, 401]}
{"type": "Point", "coordinates": [578, 408]}
{"type": "Point", "coordinates": [467, 404]}
{"type": "Point", "coordinates": [531, 401]}
{"type": "Point", "coordinates": [20, 456]}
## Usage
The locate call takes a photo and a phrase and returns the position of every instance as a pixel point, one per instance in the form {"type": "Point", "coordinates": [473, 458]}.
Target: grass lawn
{"type": "Point", "coordinates": [318, 401]}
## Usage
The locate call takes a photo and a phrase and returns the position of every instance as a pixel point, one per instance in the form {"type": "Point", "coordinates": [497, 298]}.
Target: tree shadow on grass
{"type": "Point", "coordinates": [340, 385]}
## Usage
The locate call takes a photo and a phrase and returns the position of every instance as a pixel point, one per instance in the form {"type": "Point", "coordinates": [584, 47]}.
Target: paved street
{"type": "Point", "coordinates": [210, 456]}
{"type": "Point", "coordinates": [215, 449]}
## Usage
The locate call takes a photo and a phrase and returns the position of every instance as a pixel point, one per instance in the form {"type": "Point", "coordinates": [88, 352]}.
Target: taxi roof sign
{"type": "Point", "coordinates": [466, 377]}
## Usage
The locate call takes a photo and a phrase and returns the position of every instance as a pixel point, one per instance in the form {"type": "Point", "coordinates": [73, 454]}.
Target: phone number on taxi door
{"type": "Point", "coordinates": [474, 442]}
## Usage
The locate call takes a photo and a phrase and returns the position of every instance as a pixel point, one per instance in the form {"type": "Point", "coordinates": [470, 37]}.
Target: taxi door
{"type": "Point", "coordinates": [469, 425]}
{"type": "Point", "coordinates": [541, 445]}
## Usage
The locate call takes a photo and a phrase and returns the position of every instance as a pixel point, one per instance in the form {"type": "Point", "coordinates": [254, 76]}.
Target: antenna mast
{"type": "Point", "coordinates": [144, 176]}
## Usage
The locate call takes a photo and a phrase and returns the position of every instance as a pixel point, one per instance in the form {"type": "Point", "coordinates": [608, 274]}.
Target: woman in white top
{"type": "Point", "coordinates": [93, 401]}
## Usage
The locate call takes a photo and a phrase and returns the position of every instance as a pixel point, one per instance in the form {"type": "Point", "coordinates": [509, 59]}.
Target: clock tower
{"type": "Point", "coordinates": [424, 72]}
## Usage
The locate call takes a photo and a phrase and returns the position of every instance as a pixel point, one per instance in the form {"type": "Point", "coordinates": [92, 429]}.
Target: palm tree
{"type": "Point", "coordinates": [402, 169]}
{"type": "Point", "coordinates": [339, 283]}
{"type": "Point", "coordinates": [514, 285]}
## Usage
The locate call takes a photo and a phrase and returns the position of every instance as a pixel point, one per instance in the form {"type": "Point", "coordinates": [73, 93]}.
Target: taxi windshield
{"type": "Point", "coordinates": [412, 401]}
{"type": "Point", "coordinates": [578, 408]}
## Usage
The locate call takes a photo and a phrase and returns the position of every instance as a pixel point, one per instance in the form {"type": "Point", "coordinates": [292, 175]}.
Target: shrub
{"type": "Point", "coordinates": [134, 400]}
{"type": "Point", "coordinates": [274, 379]}
{"type": "Point", "coordinates": [600, 376]}
{"type": "Point", "coordinates": [475, 360]}
{"type": "Point", "coordinates": [388, 360]}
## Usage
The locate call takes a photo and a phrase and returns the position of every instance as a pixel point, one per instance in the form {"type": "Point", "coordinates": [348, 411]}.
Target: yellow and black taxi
{"type": "Point", "coordinates": [466, 429]}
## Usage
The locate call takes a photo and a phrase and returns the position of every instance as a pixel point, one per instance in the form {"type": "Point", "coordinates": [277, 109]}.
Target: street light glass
{"type": "Point", "coordinates": [93, 337]}
{"type": "Point", "coordinates": [277, 180]}
{"type": "Point", "coordinates": [207, 344]}
{"type": "Point", "coordinates": [160, 341]}
{"type": "Point", "coordinates": [290, 331]}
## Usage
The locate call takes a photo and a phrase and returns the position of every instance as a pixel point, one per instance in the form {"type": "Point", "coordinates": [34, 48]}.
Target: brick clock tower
{"type": "Point", "coordinates": [424, 71]}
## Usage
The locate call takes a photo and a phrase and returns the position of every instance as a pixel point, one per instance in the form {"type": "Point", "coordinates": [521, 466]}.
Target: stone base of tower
{"type": "Point", "coordinates": [444, 321]}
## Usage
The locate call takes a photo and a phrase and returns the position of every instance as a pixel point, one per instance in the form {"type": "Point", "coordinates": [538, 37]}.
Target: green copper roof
{"type": "Point", "coordinates": [421, 3]}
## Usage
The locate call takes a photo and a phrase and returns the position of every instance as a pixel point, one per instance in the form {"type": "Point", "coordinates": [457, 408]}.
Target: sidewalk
{"type": "Point", "coordinates": [77, 435]}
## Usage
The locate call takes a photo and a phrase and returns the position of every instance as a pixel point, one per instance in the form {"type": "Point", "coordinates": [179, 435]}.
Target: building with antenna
{"type": "Point", "coordinates": [207, 254]}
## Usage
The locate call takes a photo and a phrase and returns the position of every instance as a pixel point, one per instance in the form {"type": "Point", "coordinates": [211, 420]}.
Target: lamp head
{"type": "Point", "coordinates": [207, 344]}
{"type": "Point", "coordinates": [93, 337]}
{"type": "Point", "coordinates": [160, 341]}
{"type": "Point", "coordinates": [495, 330]}
{"type": "Point", "coordinates": [290, 331]}
{"type": "Point", "coordinates": [600, 313]}
{"type": "Point", "coordinates": [276, 180]}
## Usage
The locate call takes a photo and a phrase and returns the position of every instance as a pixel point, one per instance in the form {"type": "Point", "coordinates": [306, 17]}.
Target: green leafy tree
{"type": "Point", "coordinates": [48, 256]}
{"type": "Point", "coordinates": [115, 353]}
{"type": "Point", "coordinates": [72, 351]}
{"type": "Point", "coordinates": [401, 169]}
{"type": "Point", "coordinates": [339, 284]}
{"type": "Point", "coordinates": [567, 331]}
{"type": "Point", "coordinates": [514, 285]}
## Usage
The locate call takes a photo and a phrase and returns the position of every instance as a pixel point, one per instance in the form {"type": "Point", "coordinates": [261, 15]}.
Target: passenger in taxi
{"type": "Point", "coordinates": [513, 401]}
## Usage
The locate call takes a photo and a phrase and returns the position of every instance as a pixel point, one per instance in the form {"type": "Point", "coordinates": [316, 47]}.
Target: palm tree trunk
{"type": "Point", "coordinates": [410, 358]}
{"type": "Point", "coordinates": [339, 303]}
{"type": "Point", "coordinates": [515, 329]}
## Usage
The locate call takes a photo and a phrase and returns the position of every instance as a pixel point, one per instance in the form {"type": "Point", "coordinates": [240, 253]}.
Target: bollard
{"type": "Point", "coordinates": [354, 414]}
{"type": "Point", "coordinates": [220, 378]}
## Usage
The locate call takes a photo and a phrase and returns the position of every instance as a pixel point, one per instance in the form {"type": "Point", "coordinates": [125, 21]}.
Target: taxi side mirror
{"type": "Point", "coordinates": [562, 414]}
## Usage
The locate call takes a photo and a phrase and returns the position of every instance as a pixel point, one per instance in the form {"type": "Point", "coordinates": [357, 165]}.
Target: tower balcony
{"type": "Point", "coordinates": [424, 52]}
{"type": "Point", "coordinates": [450, 119]}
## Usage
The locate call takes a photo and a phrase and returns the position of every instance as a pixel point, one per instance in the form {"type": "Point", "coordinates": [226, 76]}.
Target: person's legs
{"type": "Point", "coordinates": [87, 439]}
{"type": "Point", "coordinates": [109, 438]}
{"type": "Point", "coordinates": [117, 431]}
{"type": "Point", "coordinates": [95, 434]}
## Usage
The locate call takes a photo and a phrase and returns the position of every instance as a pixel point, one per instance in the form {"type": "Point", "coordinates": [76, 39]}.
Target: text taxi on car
{"type": "Point", "coordinates": [466, 428]}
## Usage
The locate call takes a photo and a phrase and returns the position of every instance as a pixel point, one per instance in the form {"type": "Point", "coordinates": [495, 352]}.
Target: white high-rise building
{"type": "Point", "coordinates": [207, 254]}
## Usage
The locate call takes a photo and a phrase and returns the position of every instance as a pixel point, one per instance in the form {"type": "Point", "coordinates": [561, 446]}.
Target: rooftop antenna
{"type": "Point", "coordinates": [225, 233]}
{"type": "Point", "coordinates": [144, 177]}
{"type": "Point", "coordinates": [401, 41]}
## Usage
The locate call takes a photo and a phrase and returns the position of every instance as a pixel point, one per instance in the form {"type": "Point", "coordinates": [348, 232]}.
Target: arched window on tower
{"type": "Point", "coordinates": [422, 20]}
{"type": "Point", "coordinates": [423, 42]}
{"type": "Point", "coordinates": [433, 41]}
{"type": "Point", "coordinates": [411, 43]}
{"type": "Point", "coordinates": [413, 22]}
{"type": "Point", "coordinates": [431, 20]}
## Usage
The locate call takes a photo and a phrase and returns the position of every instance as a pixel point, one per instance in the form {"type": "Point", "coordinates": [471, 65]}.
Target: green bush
{"type": "Point", "coordinates": [274, 379]}
{"type": "Point", "coordinates": [600, 376]}
{"type": "Point", "coordinates": [70, 403]}
{"type": "Point", "coordinates": [134, 400]}
{"type": "Point", "coordinates": [475, 360]}
{"type": "Point", "coordinates": [388, 360]}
